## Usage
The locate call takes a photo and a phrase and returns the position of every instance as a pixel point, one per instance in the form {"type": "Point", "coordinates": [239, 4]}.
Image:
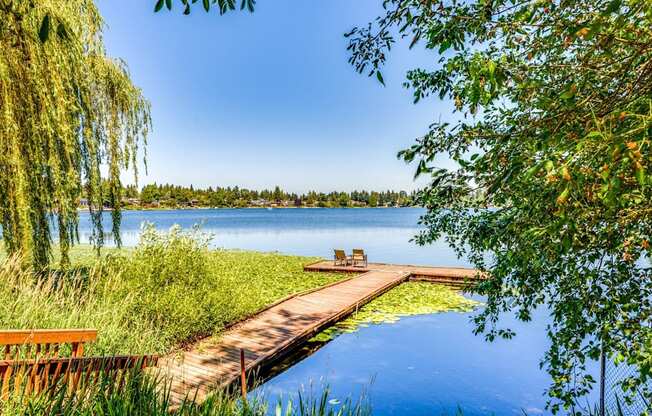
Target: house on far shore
{"type": "Point", "coordinates": [131, 201]}
{"type": "Point", "coordinates": [83, 203]}
{"type": "Point", "coordinates": [154, 204]}
{"type": "Point", "coordinates": [259, 202]}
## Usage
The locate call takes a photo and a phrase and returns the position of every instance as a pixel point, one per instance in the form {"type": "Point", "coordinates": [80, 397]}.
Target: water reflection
{"type": "Point", "coordinates": [428, 365]}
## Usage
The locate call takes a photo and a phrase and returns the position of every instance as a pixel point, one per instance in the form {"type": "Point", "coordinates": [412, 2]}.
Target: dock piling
{"type": "Point", "coordinates": [243, 375]}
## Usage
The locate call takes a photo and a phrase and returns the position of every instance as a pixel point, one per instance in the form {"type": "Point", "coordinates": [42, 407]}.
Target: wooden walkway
{"type": "Point", "coordinates": [274, 332]}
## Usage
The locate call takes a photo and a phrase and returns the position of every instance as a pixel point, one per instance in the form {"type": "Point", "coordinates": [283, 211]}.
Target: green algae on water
{"type": "Point", "coordinates": [412, 298]}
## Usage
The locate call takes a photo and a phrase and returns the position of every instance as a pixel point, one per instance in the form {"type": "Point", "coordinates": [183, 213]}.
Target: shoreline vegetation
{"type": "Point", "coordinates": [190, 208]}
{"type": "Point", "coordinates": [154, 196]}
{"type": "Point", "coordinates": [169, 290]}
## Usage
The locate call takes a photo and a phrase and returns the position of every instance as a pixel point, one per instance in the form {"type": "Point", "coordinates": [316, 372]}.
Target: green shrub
{"type": "Point", "coordinates": [170, 275]}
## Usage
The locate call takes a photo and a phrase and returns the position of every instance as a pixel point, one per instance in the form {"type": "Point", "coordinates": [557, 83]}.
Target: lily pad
{"type": "Point", "coordinates": [413, 298]}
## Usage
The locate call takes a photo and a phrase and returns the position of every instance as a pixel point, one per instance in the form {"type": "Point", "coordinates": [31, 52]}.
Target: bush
{"type": "Point", "coordinates": [170, 276]}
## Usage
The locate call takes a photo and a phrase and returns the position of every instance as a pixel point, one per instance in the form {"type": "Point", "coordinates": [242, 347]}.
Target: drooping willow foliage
{"type": "Point", "coordinates": [70, 119]}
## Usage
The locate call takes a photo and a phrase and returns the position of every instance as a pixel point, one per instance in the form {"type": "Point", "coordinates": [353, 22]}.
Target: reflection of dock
{"type": "Point", "coordinates": [276, 331]}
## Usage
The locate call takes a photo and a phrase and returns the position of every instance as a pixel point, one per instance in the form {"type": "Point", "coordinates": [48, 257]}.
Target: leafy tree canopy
{"type": "Point", "coordinates": [68, 113]}
{"type": "Point", "coordinates": [224, 6]}
{"type": "Point", "coordinates": [555, 102]}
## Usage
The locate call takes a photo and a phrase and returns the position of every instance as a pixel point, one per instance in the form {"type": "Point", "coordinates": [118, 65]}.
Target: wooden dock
{"type": "Point", "coordinates": [278, 330]}
{"type": "Point", "coordinates": [447, 275]}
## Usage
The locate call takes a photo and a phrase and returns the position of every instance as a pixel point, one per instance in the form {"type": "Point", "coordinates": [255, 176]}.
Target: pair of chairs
{"type": "Point", "coordinates": [357, 259]}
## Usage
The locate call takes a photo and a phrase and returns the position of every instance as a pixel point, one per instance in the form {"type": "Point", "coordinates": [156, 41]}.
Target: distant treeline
{"type": "Point", "coordinates": [173, 196]}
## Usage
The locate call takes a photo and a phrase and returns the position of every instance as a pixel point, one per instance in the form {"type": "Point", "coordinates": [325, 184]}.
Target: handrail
{"type": "Point", "coordinates": [46, 336]}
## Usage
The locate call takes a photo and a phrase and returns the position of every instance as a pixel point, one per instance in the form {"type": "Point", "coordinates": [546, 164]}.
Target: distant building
{"type": "Point", "coordinates": [131, 201]}
{"type": "Point", "coordinates": [259, 202]}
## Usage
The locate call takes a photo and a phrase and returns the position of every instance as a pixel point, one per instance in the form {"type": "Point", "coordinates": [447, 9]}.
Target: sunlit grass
{"type": "Point", "coordinates": [147, 394]}
{"type": "Point", "coordinates": [169, 290]}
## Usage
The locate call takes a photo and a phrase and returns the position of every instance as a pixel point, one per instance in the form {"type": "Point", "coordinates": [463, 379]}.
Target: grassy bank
{"type": "Point", "coordinates": [168, 290]}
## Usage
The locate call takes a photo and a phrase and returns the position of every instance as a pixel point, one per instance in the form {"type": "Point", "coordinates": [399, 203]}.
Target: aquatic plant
{"type": "Point", "coordinates": [322, 405]}
{"type": "Point", "coordinates": [412, 298]}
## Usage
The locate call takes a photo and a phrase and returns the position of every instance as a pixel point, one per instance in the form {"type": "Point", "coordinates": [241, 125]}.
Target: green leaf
{"type": "Point", "coordinates": [640, 176]}
{"type": "Point", "coordinates": [380, 78]}
{"type": "Point", "coordinates": [207, 5]}
{"type": "Point", "coordinates": [533, 170]}
{"type": "Point", "coordinates": [168, 4]}
{"type": "Point", "coordinates": [159, 5]}
{"type": "Point", "coordinates": [44, 31]}
{"type": "Point", "coordinates": [567, 95]}
{"type": "Point", "coordinates": [187, 9]}
{"type": "Point", "coordinates": [593, 134]}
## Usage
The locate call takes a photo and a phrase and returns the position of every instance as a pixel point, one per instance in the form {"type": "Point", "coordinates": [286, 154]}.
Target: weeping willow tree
{"type": "Point", "coordinates": [70, 118]}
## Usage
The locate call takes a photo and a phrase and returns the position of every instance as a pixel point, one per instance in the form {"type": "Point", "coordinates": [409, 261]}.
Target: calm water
{"type": "Point", "coordinates": [384, 232]}
{"type": "Point", "coordinates": [426, 365]}
{"type": "Point", "coordinates": [422, 365]}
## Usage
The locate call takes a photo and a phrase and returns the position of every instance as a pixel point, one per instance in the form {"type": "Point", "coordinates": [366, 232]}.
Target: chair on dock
{"type": "Point", "coordinates": [341, 259]}
{"type": "Point", "coordinates": [359, 258]}
{"type": "Point", "coordinates": [34, 360]}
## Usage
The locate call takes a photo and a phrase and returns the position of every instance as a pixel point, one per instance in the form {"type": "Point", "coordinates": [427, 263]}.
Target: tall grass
{"type": "Point", "coordinates": [145, 394]}
{"type": "Point", "coordinates": [168, 290]}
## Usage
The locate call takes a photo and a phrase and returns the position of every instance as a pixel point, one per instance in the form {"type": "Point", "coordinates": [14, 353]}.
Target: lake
{"type": "Point", "coordinates": [383, 232]}
{"type": "Point", "coordinates": [426, 365]}
{"type": "Point", "coordinates": [421, 365]}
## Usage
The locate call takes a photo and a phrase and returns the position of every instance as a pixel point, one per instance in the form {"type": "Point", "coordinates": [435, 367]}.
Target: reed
{"type": "Point", "coordinates": [148, 394]}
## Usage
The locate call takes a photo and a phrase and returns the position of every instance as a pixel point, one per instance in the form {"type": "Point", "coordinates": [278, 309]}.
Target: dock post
{"type": "Point", "coordinates": [243, 375]}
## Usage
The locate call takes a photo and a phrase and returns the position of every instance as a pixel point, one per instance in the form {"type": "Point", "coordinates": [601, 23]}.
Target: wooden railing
{"type": "Point", "coordinates": [44, 343]}
{"type": "Point", "coordinates": [32, 361]}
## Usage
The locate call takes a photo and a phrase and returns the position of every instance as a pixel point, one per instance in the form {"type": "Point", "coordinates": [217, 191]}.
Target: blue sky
{"type": "Point", "coordinates": [268, 98]}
